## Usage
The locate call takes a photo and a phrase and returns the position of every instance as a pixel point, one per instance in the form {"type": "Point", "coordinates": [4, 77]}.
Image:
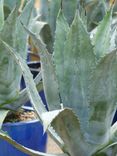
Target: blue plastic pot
{"type": "Point", "coordinates": [29, 134]}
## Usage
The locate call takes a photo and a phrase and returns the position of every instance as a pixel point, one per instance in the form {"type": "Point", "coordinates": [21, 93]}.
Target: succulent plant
{"type": "Point", "coordinates": [12, 32]}
{"type": "Point", "coordinates": [94, 9]}
{"type": "Point", "coordinates": [80, 84]}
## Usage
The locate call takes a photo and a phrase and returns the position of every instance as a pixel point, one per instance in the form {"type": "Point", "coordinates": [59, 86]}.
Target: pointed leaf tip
{"type": "Point", "coordinates": [48, 117]}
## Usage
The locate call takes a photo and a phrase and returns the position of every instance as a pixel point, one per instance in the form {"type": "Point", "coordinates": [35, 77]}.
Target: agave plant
{"type": "Point", "coordinates": [94, 9]}
{"type": "Point", "coordinates": [12, 33]}
{"type": "Point", "coordinates": [80, 84]}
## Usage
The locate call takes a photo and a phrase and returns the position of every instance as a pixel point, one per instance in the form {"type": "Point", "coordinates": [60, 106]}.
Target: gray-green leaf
{"type": "Point", "coordinates": [48, 73]}
{"type": "Point", "coordinates": [25, 149]}
{"type": "Point", "coordinates": [1, 14]}
{"type": "Point", "coordinates": [103, 97]}
{"type": "Point", "coordinates": [79, 61]}
{"type": "Point", "coordinates": [67, 126]}
{"type": "Point", "coordinates": [102, 36]}
{"type": "Point", "coordinates": [3, 114]}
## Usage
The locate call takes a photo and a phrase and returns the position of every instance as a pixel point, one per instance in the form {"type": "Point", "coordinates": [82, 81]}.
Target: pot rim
{"type": "Point", "coordinates": [20, 123]}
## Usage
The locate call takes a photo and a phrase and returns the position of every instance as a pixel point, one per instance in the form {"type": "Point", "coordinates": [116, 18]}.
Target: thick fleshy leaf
{"type": "Point", "coordinates": [3, 114]}
{"type": "Point", "coordinates": [7, 102]}
{"type": "Point", "coordinates": [69, 8]}
{"type": "Point", "coordinates": [30, 85]}
{"type": "Point", "coordinates": [79, 61]}
{"type": "Point", "coordinates": [62, 29]}
{"type": "Point", "coordinates": [48, 117]}
{"type": "Point", "coordinates": [1, 14]}
{"type": "Point", "coordinates": [11, 3]}
{"type": "Point", "coordinates": [9, 71]}
{"type": "Point", "coordinates": [26, 150]}
{"type": "Point", "coordinates": [23, 96]}
{"type": "Point", "coordinates": [49, 11]}
{"type": "Point", "coordinates": [103, 97]}
{"type": "Point", "coordinates": [113, 41]}
{"type": "Point", "coordinates": [43, 30]}
{"type": "Point", "coordinates": [31, 90]}
{"type": "Point", "coordinates": [8, 81]}
{"type": "Point", "coordinates": [67, 126]}
{"type": "Point", "coordinates": [113, 133]}
{"type": "Point", "coordinates": [110, 150]}
{"type": "Point", "coordinates": [102, 36]}
{"type": "Point", "coordinates": [48, 73]}
{"type": "Point", "coordinates": [21, 38]}
{"type": "Point", "coordinates": [113, 38]}
{"type": "Point", "coordinates": [95, 11]}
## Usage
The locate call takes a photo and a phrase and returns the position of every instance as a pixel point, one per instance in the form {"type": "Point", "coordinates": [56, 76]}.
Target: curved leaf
{"type": "Point", "coordinates": [43, 30]}
{"type": "Point", "coordinates": [11, 3]}
{"type": "Point", "coordinates": [95, 11]}
{"type": "Point", "coordinates": [62, 28]}
{"type": "Point", "coordinates": [48, 73]}
{"type": "Point", "coordinates": [103, 97]}
{"type": "Point", "coordinates": [30, 85]}
{"type": "Point", "coordinates": [20, 39]}
{"type": "Point", "coordinates": [3, 114]}
{"type": "Point", "coordinates": [25, 149]}
{"type": "Point", "coordinates": [102, 36]}
{"type": "Point", "coordinates": [48, 117]}
{"type": "Point", "coordinates": [79, 61]}
{"type": "Point", "coordinates": [49, 11]}
{"type": "Point", "coordinates": [110, 150]}
{"type": "Point", "coordinates": [31, 90]}
{"type": "Point", "coordinates": [113, 133]}
{"type": "Point", "coordinates": [10, 74]}
{"type": "Point", "coordinates": [67, 126]}
{"type": "Point", "coordinates": [8, 81]}
{"type": "Point", "coordinates": [113, 41]}
{"type": "Point", "coordinates": [69, 8]}
{"type": "Point", "coordinates": [23, 96]}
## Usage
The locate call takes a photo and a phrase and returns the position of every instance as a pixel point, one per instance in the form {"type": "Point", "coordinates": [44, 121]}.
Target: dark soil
{"type": "Point", "coordinates": [20, 115]}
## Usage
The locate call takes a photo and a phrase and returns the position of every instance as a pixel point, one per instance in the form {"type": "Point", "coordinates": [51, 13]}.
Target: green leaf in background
{"type": "Point", "coordinates": [17, 102]}
{"type": "Point", "coordinates": [9, 71]}
{"type": "Point", "coordinates": [30, 85]}
{"type": "Point", "coordinates": [43, 30]}
{"type": "Point", "coordinates": [113, 133]}
{"type": "Point", "coordinates": [110, 150]}
{"type": "Point", "coordinates": [49, 11]}
{"type": "Point", "coordinates": [1, 14]}
{"type": "Point", "coordinates": [21, 38]}
{"type": "Point", "coordinates": [103, 97]}
{"type": "Point", "coordinates": [95, 10]}
{"type": "Point", "coordinates": [69, 8]}
{"type": "Point", "coordinates": [11, 3]}
{"type": "Point", "coordinates": [113, 40]}
{"type": "Point", "coordinates": [7, 66]}
{"type": "Point", "coordinates": [102, 36]}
